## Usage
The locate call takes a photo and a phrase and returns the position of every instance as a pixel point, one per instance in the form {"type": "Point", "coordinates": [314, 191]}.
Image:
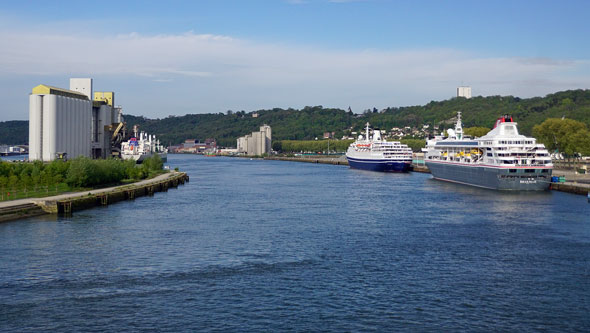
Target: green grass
{"type": "Point", "coordinates": [8, 194]}
{"type": "Point", "coordinates": [46, 191]}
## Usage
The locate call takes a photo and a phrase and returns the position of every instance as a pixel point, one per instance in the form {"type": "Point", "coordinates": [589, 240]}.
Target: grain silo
{"type": "Point", "coordinates": [60, 123]}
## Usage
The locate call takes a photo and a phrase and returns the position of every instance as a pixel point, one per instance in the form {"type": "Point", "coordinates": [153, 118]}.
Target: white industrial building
{"type": "Point", "coordinates": [464, 91]}
{"type": "Point", "coordinates": [257, 143]}
{"type": "Point", "coordinates": [65, 124]}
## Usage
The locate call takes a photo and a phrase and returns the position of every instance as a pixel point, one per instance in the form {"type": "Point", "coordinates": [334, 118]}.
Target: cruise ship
{"type": "Point", "coordinates": [500, 160]}
{"type": "Point", "coordinates": [142, 146]}
{"type": "Point", "coordinates": [376, 154]}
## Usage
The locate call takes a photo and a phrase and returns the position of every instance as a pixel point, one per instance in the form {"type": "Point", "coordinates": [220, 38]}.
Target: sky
{"type": "Point", "coordinates": [167, 58]}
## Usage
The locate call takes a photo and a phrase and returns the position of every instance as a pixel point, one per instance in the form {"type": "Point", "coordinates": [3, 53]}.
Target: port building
{"type": "Point", "coordinates": [67, 123]}
{"type": "Point", "coordinates": [256, 143]}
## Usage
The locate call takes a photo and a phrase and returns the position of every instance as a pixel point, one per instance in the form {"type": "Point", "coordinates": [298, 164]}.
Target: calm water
{"type": "Point", "coordinates": [273, 246]}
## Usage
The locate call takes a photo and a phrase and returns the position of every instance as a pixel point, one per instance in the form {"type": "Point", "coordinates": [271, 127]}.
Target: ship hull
{"type": "Point", "coordinates": [140, 157]}
{"type": "Point", "coordinates": [379, 165]}
{"type": "Point", "coordinates": [519, 179]}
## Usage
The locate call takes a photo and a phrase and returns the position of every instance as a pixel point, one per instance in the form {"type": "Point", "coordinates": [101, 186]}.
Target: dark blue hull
{"type": "Point", "coordinates": [380, 165]}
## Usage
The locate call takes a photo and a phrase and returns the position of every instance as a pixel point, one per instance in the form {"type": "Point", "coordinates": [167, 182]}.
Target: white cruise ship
{"type": "Point", "coordinates": [502, 159]}
{"type": "Point", "coordinates": [376, 154]}
{"type": "Point", "coordinates": [142, 147]}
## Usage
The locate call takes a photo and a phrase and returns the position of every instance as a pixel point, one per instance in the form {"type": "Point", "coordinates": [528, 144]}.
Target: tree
{"type": "Point", "coordinates": [13, 184]}
{"type": "Point", "coordinates": [476, 131]}
{"type": "Point", "coordinates": [277, 146]}
{"type": "Point", "coordinates": [564, 135]}
{"type": "Point", "coordinates": [415, 144]}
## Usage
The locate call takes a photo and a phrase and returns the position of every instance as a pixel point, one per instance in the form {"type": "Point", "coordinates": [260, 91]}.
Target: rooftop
{"type": "Point", "coordinates": [43, 89]}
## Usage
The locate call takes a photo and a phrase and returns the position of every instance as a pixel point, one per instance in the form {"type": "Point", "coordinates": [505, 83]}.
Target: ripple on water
{"type": "Point", "coordinates": [250, 245]}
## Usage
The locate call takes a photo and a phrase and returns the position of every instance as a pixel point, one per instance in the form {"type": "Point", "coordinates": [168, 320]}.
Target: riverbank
{"type": "Point", "coordinates": [575, 183]}
{"type": "Point", "coordinates": [70, 202]}
{"type": "Point", "coordinates": [340, 160]}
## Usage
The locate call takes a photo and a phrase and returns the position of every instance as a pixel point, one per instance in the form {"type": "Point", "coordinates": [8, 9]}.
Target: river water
{"type": "Point", "coordinates": [252, 245]}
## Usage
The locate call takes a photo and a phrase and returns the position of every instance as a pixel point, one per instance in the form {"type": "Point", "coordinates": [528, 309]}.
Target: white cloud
{"type": "Point", "coordinates": [230, 73]}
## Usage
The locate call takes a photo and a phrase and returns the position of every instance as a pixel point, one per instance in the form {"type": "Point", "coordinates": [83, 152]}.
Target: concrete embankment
{"type": "Point", "coordinates": [571, 187]}
{"type": "Point", "coordinates": [577, 183]}
{"type": "Point", "coordinates": [340, 160]}
{"type": "Point", "coordinates": [71, 202]}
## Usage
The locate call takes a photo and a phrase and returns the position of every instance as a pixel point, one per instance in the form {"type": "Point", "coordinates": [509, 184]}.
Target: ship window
{"type": "Point", "coordinates": [512, 170]}
{"type": "Point", "coordinates": [490, 154]}
{"type": "Point", "coordinates": [544, 171]}
{"type": "Point", "coordinates": [529, 170]}
{"type": "Point", "coordinates": [488, 148]}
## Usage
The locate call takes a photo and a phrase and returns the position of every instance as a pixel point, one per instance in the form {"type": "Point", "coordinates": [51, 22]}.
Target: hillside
{"type": "Point", "coordinates": [14, 132]}
{"type": "Point", "coordinates": [311, 122]}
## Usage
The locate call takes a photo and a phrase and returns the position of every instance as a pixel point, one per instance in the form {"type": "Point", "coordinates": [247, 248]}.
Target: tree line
{"type": "Point", "coordinates": [312, 121]}
{"type": "Point", "coordinates": [21, 179]}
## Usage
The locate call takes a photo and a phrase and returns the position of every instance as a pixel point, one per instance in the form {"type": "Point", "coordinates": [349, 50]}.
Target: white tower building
{"type": "Point", "coordinates": [464, 91]}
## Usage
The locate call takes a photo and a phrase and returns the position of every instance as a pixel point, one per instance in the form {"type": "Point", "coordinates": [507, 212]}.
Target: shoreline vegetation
{"type": "Point", "coordinates": [332, 145]}
{"type": "Point", "coordinates": [21, 180]}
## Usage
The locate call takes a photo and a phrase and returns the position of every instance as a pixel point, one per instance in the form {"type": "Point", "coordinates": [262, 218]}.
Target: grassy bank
{"type": "Point", "coordinates": [19, 180]}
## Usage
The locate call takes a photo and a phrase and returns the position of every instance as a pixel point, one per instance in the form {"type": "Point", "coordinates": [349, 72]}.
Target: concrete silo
{"type": "Point", "coordinates": [59, 123]}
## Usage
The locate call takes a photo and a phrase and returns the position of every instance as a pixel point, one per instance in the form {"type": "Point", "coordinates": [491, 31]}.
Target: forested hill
{"type": "Point", "coordinates": [14, 132]}
{"type": "Point", "coordinates": [311, 122]}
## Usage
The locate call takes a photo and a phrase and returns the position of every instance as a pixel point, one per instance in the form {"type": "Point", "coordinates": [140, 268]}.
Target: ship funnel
{"type": "Point", "coordinates": [376, 135]}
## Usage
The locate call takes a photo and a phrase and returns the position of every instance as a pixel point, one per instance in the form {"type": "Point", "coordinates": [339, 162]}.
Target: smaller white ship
{"type": "Point", "coordinates": [142, 146]}
{"type": "Point", "coordinates": [376, 154]}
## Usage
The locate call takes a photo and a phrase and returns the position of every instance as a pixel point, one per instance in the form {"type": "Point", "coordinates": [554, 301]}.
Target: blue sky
{"type": "Point", "coordinates": [178, 57]}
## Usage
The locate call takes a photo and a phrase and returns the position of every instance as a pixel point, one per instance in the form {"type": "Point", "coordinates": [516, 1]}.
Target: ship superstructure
{"type": "Point", "coordinates": [142, 146]}
{"type": "Point", "coordinates": [502, 159]}
{"type": "Point", "coordinates": [376, 154]}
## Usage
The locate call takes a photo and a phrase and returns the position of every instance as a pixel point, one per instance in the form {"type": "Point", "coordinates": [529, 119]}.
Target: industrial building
{"type": "Point", "coordinates": [257, 143]}
{"type": "Point", "coordinates": [192, 146]}
{"type": "Point", "coordinates": [464, 91]}
{"type": "Point", "coordinates": [65, 124]}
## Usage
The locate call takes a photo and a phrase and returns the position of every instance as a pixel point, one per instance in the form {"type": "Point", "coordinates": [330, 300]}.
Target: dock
{"type": "Point", "coordinates": [576, 183]}
{"type": "Point", "coordinates": [66, 204]}
{"type": "Point", "coordinates": [340, 160]}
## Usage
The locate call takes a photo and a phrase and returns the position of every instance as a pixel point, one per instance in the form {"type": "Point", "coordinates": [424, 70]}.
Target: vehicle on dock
{"type": "Point", "coordinates": [502, 159]}
{"type": "Point", "coordinates": [142, 146]}
{"type": "Point", "coordinates": [376, 154]}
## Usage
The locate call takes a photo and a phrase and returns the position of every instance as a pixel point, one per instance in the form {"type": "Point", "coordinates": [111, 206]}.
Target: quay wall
{"type": "Point", "coordinates": [66, 204]}
{"type": "Point", "coordinates": [571, 187]}
{"type": "Point", "coordinates": [311, 159]}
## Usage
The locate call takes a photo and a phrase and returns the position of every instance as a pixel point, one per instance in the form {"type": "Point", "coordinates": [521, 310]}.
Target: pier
{"type": "Point", "coordinates": [68, 203]}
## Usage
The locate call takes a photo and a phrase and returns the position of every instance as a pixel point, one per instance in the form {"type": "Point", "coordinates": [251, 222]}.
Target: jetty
{"type": "Point", "coordinates": [66, 204]}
